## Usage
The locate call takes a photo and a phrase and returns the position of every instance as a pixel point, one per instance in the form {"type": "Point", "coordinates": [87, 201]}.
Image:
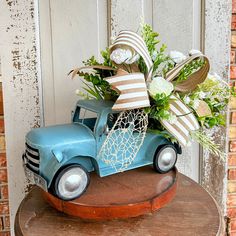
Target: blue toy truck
{"type": "Point", "coordinates": [59, 158]}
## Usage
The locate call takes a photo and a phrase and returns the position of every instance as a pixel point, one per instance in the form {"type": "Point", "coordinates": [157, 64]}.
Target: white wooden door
{"type": "Point", "coordinates": [73, 30]}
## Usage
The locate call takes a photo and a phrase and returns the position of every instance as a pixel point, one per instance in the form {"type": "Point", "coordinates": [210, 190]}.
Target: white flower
{"type": "Point", "coordinates": [187, 99]}
{"type": "Point", "coordinates": [194, 51]}
{"type": "Point", "coordinates": [202, 95]}
{"type": "Point", "coordinates": [172, 119]}
{"type": "Point", "coordinates": [160, 85]}
{"type": "Point", "coordinates": [133, 59]}
{"type": "Point", "coordinates": [154, 55]}
{"type": "Point", "coordinates": [77, 92]}
{"type": "Point", "coordinates": [213, 77]}
{"type": "Point", "coordinates": [161, 67]}
{"type": "Point", "coordinates": [216, 78]}
{"type": "Point", "coordinates": [196, 103]}
{"type": "Point", "coordinates": [121, 55]}
{"type": "Point", "coordinates": [177, 56]}
{"type": "Point", "coordinates": [82, 94]}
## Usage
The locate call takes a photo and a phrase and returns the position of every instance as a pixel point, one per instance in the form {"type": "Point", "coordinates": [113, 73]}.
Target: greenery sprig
{"type": "Point", "coordinates": [216, 94]}
{"type": "Point", "coordinates": [208, 143]}
{"type": "Point", "coordinates": [94, 83]}
{"type": "Point", "coordinates": [158, 55]}
{"type": "Point", "coordinates": [189, 69]}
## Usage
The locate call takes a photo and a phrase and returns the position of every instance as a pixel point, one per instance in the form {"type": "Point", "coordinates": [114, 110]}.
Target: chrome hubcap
{"type": "Point", "coordinates": [166, 159]}
{"type": "Point", "coordinates": [72, 183]}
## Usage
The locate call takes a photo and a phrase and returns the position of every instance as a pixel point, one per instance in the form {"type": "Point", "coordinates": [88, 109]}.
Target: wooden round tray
{"type": "Point", "coordinates": [128, 194]}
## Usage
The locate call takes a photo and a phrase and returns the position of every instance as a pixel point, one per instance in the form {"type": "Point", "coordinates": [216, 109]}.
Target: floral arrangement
{"type": "Point", "coordinates": [207, 101]}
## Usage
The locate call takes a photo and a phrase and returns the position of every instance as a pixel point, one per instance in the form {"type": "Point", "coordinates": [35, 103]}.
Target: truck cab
{"type": "Point", "coordinates": [59, 158]}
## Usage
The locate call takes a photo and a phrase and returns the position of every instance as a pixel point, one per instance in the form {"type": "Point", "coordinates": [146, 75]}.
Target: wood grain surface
{"type": "Point", "coordinates": [192, 212]}
{"type": "Point", "coordinates": [123, 195]}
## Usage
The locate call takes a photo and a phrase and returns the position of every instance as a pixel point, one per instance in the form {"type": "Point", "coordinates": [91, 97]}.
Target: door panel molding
{"type": "Point", "coordinates": [46, 48]}
{"type": "Point", "coordinates": [61, 52]}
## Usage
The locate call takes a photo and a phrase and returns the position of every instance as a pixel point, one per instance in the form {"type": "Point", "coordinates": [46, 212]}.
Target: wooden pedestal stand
{"type": "Point", "coordinates": [124, 195]}
{"type": "Point", "coordinates": [191, 212]}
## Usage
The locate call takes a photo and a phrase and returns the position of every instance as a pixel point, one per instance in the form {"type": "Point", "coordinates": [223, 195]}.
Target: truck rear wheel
{"type": "Point", "coordinates": [165, 158]}
{"type": "Point", "coordinates": [71, 182]}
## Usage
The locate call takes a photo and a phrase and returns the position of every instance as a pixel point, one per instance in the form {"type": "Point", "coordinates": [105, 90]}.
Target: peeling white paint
{"type": "Point", "coordinates": [217, 48]}
{"type": "Point", "coordinates": [20, 87]}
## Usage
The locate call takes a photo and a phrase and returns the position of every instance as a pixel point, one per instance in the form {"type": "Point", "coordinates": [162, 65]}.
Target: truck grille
{"type": "Point", "coordinates": [32, 158]}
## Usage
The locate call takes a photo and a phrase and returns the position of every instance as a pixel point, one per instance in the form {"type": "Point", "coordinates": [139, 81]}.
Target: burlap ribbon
{"type": "Point", "coordinates": [131, 86]}
{"type": "Point", "coordinates": [185, 122]}
{"type": "Point", "coordinates": [136, 43]}
{"type": "Point", "coordinates": [194, 79]}
{"type": "Point", "coordinates": [132, 96]}
{"type": "Point", "coordinates": [133, 89]}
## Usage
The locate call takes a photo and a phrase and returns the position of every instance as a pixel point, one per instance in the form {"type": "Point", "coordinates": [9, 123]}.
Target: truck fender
{"type": "Point", "coordinates": [154, 144]}
{"type": "Point", "coordinates": [85, 161]}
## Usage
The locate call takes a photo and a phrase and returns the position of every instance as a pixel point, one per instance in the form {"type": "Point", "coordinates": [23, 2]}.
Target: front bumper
{"type": "Point", "coordinates": [33, 177]}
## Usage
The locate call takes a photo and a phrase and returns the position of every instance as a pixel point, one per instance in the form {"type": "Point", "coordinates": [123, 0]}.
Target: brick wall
{"type": "Point", "coordinates": [231, 201]}
{"type": "Point", "coordinates": [4, 203]}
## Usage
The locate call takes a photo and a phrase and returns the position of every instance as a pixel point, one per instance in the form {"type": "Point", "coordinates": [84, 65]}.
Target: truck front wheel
{"type": "Point", "coordinates": [71, 182]}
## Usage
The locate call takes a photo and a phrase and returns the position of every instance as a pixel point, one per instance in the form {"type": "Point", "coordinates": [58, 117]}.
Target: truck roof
{"type": "Point", "coordinates": [96, 105]}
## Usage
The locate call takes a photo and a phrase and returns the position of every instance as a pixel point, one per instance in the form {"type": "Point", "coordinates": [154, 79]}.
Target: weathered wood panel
{"type": "Point", "coordinates": [77, 31]}
{"type": "Point", "coordinates": [174, 22]}
{"type": "Point", "coordinates": [19, 60]}
{"type": "Point", "coordinates": [127, 15]}
{"type": "Point", "coordinates": [217, 48]}
{"type": "Point", "coordinates": [179, 28]}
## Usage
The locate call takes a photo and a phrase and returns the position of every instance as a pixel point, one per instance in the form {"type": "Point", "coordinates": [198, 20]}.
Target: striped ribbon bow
{"type": "Point", "coordinates": [133, 89]}
{"type": "Point", "coordinates": [186, 120]}
{"type": "Point", "coordinates": [131, 86]}
{"type": "Point", "coordinates": [135, 42]}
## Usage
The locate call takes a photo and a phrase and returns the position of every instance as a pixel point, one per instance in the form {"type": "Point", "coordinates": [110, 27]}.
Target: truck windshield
{"type": "Point", "coordinates": [88, 118]}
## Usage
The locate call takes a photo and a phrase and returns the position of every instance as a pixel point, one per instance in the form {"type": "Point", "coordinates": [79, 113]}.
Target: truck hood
{"type": "Point", "coordinates": [60, 135]}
